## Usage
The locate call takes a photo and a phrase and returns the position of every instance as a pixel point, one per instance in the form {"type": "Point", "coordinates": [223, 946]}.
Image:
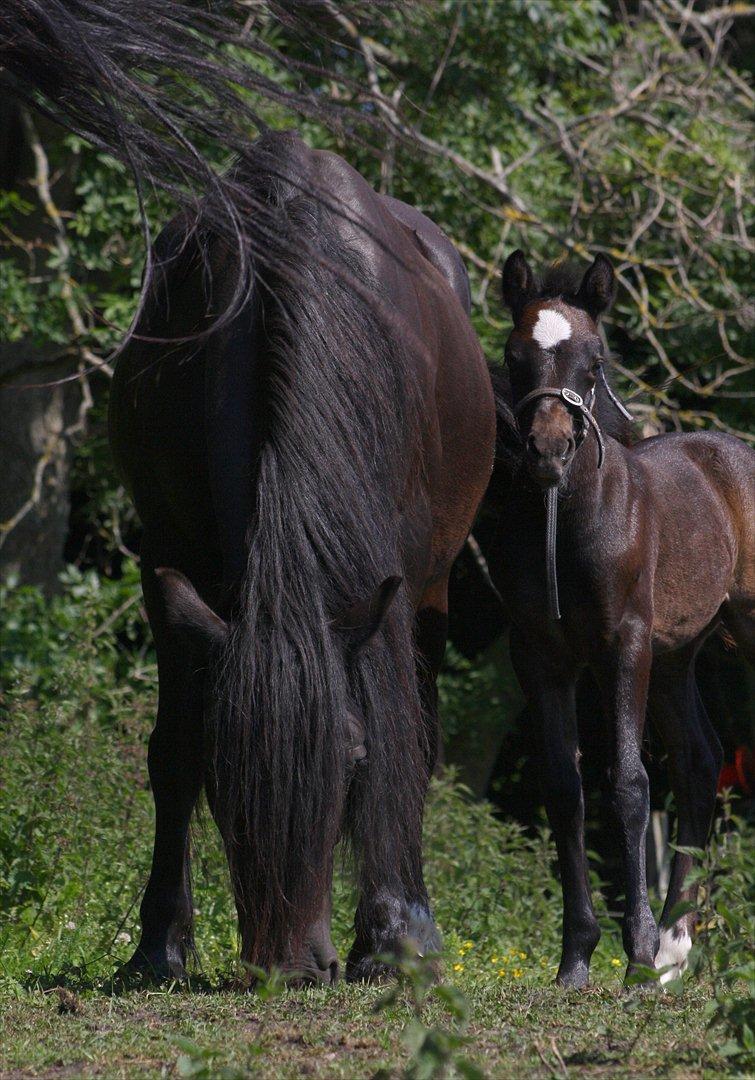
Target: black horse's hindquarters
{"type": "Point", "coordinates": [330, 408]}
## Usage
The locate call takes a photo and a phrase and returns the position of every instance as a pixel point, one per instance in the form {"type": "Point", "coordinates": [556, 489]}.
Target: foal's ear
{"type": "Point", "coordinates": [517, 282]}
{"type": "Point", "coordinates": [186, 610]}
{"type": "Point", "coordinates": [362, 620]}
{"type": "Point", "coordinates": [598, 287]}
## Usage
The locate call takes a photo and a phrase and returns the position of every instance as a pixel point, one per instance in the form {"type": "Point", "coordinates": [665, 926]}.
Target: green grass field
{"type": "Point", "coordinates": [75, 842]}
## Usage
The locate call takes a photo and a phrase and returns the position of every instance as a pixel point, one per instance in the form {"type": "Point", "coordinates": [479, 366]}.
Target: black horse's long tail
{"type": "Point", "coordinates": [172, 90]}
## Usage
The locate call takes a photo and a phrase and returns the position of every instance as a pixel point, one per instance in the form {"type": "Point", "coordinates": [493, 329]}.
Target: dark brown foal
{"type": "Point", "coordinates": [655, 551]}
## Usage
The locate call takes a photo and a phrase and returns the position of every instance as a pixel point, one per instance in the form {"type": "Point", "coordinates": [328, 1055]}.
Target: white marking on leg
{"type": "Point", "coordinates": [672, 954]}
{"type": "Point", "coordinates": [551, 328]}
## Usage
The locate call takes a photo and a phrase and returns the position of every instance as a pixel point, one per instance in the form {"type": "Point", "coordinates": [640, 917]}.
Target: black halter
{"type": "Point", "coordinates": [583, 412]}
{"type": "Point", "coordinates": [576, 406]}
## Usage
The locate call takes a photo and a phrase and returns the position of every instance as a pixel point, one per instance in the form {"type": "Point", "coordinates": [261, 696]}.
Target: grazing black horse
{"type": "Point", "coordinates": [305, 477]}
{"type": "Point", "coordinates": [655, 551]}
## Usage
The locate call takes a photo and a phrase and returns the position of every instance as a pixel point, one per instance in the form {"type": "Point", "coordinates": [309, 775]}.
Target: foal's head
{"type": "Point", "coordinates": [554, 344]}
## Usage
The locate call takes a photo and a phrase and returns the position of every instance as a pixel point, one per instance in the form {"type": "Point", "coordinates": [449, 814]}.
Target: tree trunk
{"type": "Point", "coordinates": [35, 421]}
{"type": "Point", "coordinates": [35, 452]}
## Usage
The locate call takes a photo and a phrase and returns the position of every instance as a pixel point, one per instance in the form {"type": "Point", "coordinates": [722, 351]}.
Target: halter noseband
{"type": "Point", "coordinates": [576, 406]}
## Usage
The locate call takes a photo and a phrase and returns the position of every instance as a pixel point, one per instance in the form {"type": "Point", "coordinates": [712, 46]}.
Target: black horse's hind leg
{"type": "Point", "coordinates": [624, 678]}
{"type": "Point", "coordinates": [394, 914]}
{"type": "Point", "coordinates": [694, 762]}
{"type": "Point", "coordinates": [176, 769]}
{"type": "Point", "coordinates": [431, 631]}
{"type": "Point", "coordinates": [551, 697]}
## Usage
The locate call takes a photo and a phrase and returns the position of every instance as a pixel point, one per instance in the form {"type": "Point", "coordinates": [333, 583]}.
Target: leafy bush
{"type": "Point", "coordinates": [726, 941]}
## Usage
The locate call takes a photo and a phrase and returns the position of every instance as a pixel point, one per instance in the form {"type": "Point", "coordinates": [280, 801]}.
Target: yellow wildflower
{"type": "Point", "coordinates": [517, 973]}
{"type": "Point", "coordinates": [522, 955]}
{"type": "Point", "coordinates": [493, 959]}
{"type": "Point", "coordinates": [458, 967]}
{"type": "Point", "coordinates": [468, 944]}
{"type": "Point", "coordinates": [501, 972]}
{"type": "Point", "coordinates": [616, 962]}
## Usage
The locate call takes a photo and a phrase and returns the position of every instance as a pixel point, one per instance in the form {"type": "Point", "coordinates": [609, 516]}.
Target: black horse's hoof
{"type": "Point", "coordinates": [312, 974]}
{"type": "Point", "coordinates": [150, 969]}
{"type": "Point", "coordinates": [368, 969]}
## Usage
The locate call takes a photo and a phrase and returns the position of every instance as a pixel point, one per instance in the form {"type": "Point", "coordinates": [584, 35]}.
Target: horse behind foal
{"type": "Point", "coordinates": [655, 551]}
{"type": "Point", "coordinates": [305, 477]}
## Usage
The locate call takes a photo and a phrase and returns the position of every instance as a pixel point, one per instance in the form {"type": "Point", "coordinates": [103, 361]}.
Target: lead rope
{"type": "Point", "coordinates": [551, 518]}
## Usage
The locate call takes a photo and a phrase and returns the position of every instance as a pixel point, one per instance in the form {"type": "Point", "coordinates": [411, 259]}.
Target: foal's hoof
{"type": "Point", "coordinates": [145, 969]}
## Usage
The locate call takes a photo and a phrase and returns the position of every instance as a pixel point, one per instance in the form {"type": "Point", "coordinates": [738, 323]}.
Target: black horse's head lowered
{"type": "Point", "coordinates": [555, 356]}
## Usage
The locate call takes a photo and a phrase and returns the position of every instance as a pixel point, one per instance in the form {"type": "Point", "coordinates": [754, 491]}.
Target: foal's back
{"type": "Point", "coordinates": [702, 488]}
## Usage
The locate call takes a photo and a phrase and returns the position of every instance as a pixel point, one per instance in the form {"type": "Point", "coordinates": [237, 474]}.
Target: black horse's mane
{"type": "Point", "coordinates": [341, 415]}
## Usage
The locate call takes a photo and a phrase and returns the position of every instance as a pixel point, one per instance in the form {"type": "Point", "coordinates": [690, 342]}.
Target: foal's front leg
{"type": "Point", "coordinates": [551, 697]}
{"type": "Point", "coordinates": [624, 678]}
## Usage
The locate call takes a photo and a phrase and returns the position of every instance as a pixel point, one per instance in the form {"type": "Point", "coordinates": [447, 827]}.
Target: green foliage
{"type": "Point", "coordinates": [434, 1049]}
{"type": "Point", "coordinates": [541, 88]}
{"type": "Point", "coordinates": [726, 943]}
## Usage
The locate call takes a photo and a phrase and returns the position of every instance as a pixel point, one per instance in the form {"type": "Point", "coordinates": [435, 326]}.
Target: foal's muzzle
{"type": "Point", "coordinates": [550, 444]}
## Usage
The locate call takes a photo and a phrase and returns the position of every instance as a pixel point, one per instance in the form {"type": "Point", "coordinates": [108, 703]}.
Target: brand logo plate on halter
{"type": "Point", "coordinates": [571, 397]}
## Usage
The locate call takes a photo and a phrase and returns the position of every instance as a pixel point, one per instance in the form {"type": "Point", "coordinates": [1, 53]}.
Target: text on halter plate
{"type": "Point", "coordinates": [571, 396]}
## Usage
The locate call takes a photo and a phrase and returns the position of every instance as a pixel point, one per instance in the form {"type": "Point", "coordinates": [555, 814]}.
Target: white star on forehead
{"type": "Point", "coordinates": [551, 328]}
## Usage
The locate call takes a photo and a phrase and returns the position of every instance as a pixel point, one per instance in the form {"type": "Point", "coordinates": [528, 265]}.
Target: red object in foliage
{"type": "Point", "coordinates": [740, 773]}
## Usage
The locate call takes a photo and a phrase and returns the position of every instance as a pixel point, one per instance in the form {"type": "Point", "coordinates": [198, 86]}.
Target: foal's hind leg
{"type": "Point", "coordinates": [694, 762]}
{"type": "Point", "coordinates": [176, 770]}
{"type": "Point", "coordinates": [551, 698]}
{"type": "Point", "coordinates": [624, 676]}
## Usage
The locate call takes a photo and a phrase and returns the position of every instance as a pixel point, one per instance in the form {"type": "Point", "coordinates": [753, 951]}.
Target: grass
{"type": "Point", "coordinates": [515, 1031]}
{"type": "Point", "coordinates": [75, 843]}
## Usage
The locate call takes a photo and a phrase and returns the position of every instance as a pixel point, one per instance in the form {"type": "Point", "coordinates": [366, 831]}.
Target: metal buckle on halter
{"type": "Point", "coordinates": [571, 397]}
